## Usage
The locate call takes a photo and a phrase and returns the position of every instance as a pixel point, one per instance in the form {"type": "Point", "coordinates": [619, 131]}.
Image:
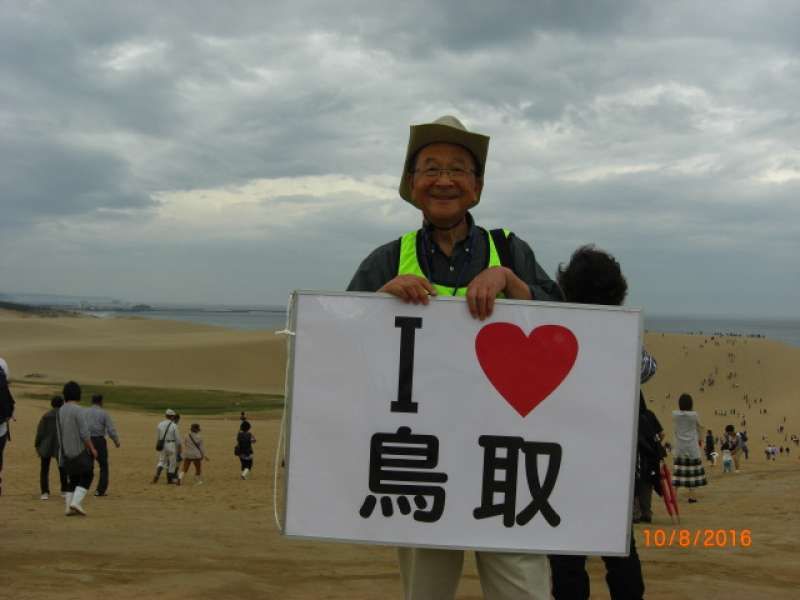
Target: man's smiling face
{"type": "Point", "coordinates": [444, 198]}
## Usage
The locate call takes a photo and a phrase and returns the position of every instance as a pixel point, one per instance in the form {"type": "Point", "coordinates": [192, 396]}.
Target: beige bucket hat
{"type": "Point", "coordinates": [444, 130]}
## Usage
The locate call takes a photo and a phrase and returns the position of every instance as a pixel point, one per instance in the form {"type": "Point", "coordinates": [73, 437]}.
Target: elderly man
{"type": "Point", "coordinates": [168, 444]}
{"type": "Point", "coordinates": [450, 255]}
{"type": "Point", "coordinates": [100, 425]}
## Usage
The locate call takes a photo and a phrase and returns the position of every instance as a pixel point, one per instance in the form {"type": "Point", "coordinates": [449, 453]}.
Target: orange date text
{"type": "Point", "coordinates": [697, 538]}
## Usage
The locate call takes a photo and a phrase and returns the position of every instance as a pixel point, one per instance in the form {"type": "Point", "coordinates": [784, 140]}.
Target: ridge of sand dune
{"type": "Point", "coordinates": [145, 352]}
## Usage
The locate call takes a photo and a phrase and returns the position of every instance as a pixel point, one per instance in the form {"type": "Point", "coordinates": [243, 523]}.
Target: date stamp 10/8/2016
{"type": "Point", "coordinates": [697, 538]}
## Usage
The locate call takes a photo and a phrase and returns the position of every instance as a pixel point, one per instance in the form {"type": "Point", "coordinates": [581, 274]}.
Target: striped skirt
{"type": "Point", "coordinates": [688, 472]}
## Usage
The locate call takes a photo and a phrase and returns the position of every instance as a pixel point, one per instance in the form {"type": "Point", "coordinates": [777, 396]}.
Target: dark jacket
{"type": "Point", "coordinates": [47, 435]}
{"type": "Point", "coordinates": [649, 448]}
{"type": "Point", "coordinates": [244, 439]}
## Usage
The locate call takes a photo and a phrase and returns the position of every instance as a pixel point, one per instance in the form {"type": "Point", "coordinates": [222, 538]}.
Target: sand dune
{"type": "Point", "coordinates": [219, 540]}
{"type": "Point", "coordinates": [144, 352]}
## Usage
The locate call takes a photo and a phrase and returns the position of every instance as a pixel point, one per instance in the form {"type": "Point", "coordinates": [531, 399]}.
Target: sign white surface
{"type": "Point", "coordinates": [475, 386]}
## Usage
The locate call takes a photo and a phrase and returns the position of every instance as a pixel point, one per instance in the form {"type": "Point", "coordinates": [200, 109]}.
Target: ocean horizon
{"type": "Point", "coordinates": [273, 318]}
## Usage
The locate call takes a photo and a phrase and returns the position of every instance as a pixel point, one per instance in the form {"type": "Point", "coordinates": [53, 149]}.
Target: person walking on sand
{"type": "Point", "coordinates": [46, 444]}
{"type": "Point", "coordinates": [100, 425]}
{"type": "Point", "coordinates": [168, 442]}
{"type": "Point", "coordinates": [193, 454]}
{"type": "Point", "coordinates": [76, 451]}
{"type": "Point", "coordinates": [688, 468]}
{"type": "Point", "coordinates": [244, 447]}
{"type": "Point", "coordinates": [450, 255]}
{"type": "Point", "coordinates": [731, 438]}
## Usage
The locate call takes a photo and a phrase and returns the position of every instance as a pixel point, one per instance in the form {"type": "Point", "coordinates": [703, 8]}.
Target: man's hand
{"type": "Point", "coordinates": [482, 291]}
{"type": "Point", "coordinates": [410, 288]}
{"type": "Point", "coordinates": [117, 444]}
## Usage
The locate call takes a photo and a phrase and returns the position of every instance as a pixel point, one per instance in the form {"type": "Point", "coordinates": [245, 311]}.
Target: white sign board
{"type": "Point", "coordinates": [421, 426]}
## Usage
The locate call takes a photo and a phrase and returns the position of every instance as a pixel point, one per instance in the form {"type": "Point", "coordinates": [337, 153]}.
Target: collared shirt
{"type": "Point", "coordinates": [470, 257]}
{"type": "Point", "coordinates": [168, 431]}
{"type": "Point", "coordinates": [100, 423]}
{"type": "Point", "coordinates": [72, 429]}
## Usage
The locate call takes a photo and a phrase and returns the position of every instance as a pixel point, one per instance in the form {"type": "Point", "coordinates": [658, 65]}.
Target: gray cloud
{"type": "Point", "coordinates": [665, 132]}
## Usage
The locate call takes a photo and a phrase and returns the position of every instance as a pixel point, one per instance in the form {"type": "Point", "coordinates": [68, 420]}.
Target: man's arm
{"type": "Point", "coordinates": [527, 281]}
{"type": "Point", "coordinates": [377, 269]}
{"type": "Point", "coordinates": [378, 273]}
{"type": "Point", "coordinates": [529, 271]}
{"type": "Point", "coordinates": [109, 427]}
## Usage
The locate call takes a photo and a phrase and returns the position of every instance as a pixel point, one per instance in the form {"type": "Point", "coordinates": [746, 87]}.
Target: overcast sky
{"type": "Point", "coordinates": [212, 152]}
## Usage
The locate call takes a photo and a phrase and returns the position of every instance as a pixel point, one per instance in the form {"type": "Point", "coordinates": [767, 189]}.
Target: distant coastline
{"type": "Point", "coordinates": [273, 318]}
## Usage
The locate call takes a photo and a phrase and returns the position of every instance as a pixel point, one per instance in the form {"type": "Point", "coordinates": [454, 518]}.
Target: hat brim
{"type": "Point", "coordinates": [435, 133]}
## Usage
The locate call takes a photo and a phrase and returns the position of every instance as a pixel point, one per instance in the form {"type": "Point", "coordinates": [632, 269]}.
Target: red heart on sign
{"type": "Point", "coordinates": [525, 369]}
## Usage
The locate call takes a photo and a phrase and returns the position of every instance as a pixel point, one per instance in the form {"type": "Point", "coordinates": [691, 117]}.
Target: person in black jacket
{"type": "Point", "coordinates": [595, 277]}
{"type": "Point", "coordinates": [244, 446]}
{"type": "Point", "coordinates": [46, 444]}
{"type": "Point", "coordinates": [650, 452]}
{"type": "Point", "coordinates": [6, 413]}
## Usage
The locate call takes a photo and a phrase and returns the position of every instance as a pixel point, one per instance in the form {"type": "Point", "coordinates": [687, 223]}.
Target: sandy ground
{"type": "Point", "coordinates": [219, 540]}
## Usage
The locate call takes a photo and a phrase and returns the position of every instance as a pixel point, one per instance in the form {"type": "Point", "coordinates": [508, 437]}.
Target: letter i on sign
{"type": "Point", "coordinates": [408, 327]}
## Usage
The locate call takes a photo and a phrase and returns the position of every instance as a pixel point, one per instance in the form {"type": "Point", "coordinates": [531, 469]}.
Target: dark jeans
{"type": "Point", "coordinates": [44, 475]}
{"type": "Point", "coordinates": [3, 440]}
{"type": "Point", "coordinates": [2, 447]}
{"type": "Point", "coordinates": [83, 480]}
{"type": "Point", "coordinates": [102, 461]}
{"type": "Point", "coordinates": [623, 576]}
{"type": "Point", "coordinates": [645, 498]}
{"type": "Point", "coordinates": [246, 463]}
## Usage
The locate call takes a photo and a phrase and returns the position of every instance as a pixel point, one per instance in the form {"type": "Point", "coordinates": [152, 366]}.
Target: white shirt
{"type": "Point", "coordinates": [172, 436]}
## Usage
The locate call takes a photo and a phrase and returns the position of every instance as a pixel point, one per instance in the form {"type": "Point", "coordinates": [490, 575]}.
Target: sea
{"type": "Point", "coordinates": [273, 318]}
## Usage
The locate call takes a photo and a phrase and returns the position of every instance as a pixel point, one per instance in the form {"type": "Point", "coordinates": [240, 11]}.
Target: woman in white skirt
{"type": "Point", "coordinates": [688, 468]}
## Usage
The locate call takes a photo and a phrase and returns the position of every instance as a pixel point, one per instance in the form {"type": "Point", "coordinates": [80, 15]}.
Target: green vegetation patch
{"type": "Point", "coordinates": [204, 402]}
{"type": "Point", "coordinates": [157, 400]}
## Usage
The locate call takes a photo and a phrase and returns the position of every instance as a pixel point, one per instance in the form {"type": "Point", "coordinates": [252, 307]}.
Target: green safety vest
{"type": "Point", "coordinates": [409, 263]}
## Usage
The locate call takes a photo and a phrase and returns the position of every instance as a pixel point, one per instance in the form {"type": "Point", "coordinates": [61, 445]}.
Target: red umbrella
{"type": "Point", "coordinates": [668, 493]}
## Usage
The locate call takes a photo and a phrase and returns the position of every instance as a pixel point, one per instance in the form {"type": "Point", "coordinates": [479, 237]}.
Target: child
{"type": "Point", "coordinates": [193, 453]}
{"type": "Point", "coordinates": [727, 458]}
{"type": "Point", "coordinates": [244, 446]}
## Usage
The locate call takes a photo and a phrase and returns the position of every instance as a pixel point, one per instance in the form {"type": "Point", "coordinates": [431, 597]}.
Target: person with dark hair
{"type": "Point", "coordinates": [732, 439]}
{"type": "Point", "coordinates": [194, 453]}
{"type": "Point", "coordinates": [688, 469]}
{"type": "Point", "coordinates": [244, 445]}
{"type": "Point", "coordinates": [450, 255]}
{"type": "Point", "coordinates": [100, 425]}
{"type": "Point", "coordinates": [76, 450]}
{"type": "Point", "coordinates": [592, 277]}
{"type": "Point", "coordinates": [46, 444]}
{"type": "Point", "coordinates": [595, 277]}
{"type": "Point", "coordinates": [6, 413]}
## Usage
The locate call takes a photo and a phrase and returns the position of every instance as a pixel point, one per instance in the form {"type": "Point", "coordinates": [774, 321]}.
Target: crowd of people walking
{"type": "Point", "coordinates": [75, 439]}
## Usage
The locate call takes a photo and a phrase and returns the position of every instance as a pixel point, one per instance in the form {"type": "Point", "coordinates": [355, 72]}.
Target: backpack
{"type": "Point", "coordinates": [6, 399]}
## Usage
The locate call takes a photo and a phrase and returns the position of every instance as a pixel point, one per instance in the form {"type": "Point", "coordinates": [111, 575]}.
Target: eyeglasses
{"type": "Point", "coordinates": [456, 173]}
